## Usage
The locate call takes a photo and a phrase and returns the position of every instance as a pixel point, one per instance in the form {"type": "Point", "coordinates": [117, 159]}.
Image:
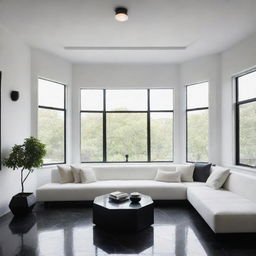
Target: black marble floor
{"type": "Point", "coordinates": [57, 231]}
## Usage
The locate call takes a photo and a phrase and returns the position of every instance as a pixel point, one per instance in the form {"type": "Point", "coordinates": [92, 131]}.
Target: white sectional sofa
{"type": "Point", "coordinates": [230, 209]}
{"type": "Point", "coordinates": [112, 178]}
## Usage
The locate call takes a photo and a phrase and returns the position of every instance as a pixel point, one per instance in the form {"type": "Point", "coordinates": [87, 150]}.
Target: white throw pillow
{"type": "Point", "coordinates": [167, 176]}
{"type": "Point", "coordinates": [76, 173]}
{"type": "Point", "coordinates": [87, 175]}
{"type": "Point", "coordinates": [218, 177]}
{"type": "Point", "coordinates": [186, 171]}
{"type": "Point", "coordinates": [168, 168]}
{"type": "Point", "coordinates": [66, 175]}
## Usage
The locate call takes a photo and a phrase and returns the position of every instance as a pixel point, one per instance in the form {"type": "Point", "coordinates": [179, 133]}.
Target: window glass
{"type": "Point", "coordinates": [247, 128]}
{"type": "Point", "coordinates": [51, 120]}
{"type": "Point", "coordinates": [51, 133]}
{"type": "Point", "coordinates": [91, 99]}
{"type": "Point", "coordinates": [247, 86]}
{"type": "Point", "coordinates": [50, 94]}
{"type": "Point", "coordinates": [161, 136]}
{"type": "Point", "coordinates": [126, 135]}
{"type": "Point", "coordinates": [91, 137]}
{"type": "Point", "coordinates": [246, 120]}
{"type": "Point", "coordinates": [126, 100]}
{"type": "Point", "coordinates": [197, 136]}
{"type": "Point", "coordinates": [197, 95]}
{"type": "Point", "coordinates": [161, 99]}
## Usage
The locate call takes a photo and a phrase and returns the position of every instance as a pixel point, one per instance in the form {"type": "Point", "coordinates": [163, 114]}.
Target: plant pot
{"type": "Point", "coordinates": [22, 204]}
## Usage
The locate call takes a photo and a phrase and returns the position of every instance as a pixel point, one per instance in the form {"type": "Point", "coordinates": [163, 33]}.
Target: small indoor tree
{"type": "Point", "coordinates": [27, 156]}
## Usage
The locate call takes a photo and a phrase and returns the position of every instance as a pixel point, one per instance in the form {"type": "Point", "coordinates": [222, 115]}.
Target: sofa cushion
{"type": "Point", "coordinates": [194, 184]}
{"type": "Point", "coordinates": [66, 175]}
{"type": "Point", "coordinates": [224, 211]}
{"type": "Point", "coordinates": [242, 184]}
{"type": "Point", "coordinates": [87, 175]}
{"type": "Point", "coordinates": [186, 172]}
{"type": "Point", "coordinates": [165, 176]}
{"type": "Point", "coordinates": [76, 173]}
{"type": "Point", "coordinates": [202, 172]}
{"type": "Point", "coordinates": [217, 177]}
{"type": "Point", "coordinates": [77, 192]}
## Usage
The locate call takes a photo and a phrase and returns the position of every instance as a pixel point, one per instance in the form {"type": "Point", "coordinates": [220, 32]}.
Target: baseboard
{"type": "Point", "coordinates": [4, 213]}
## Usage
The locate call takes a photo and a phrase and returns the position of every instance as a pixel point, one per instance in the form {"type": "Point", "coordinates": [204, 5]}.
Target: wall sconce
{"type": "Point", "coordinates": [15, 95]}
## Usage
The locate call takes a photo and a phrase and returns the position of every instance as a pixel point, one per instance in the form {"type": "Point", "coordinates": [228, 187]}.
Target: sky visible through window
{"type": "Point", "coordinates": [50, 94]}
{"type": "Point", "coordinates": [247, 86]}
{"type": "Point", "coordinates": [197, 95]}
{"type": "Point", "coordinates": [130, 100]}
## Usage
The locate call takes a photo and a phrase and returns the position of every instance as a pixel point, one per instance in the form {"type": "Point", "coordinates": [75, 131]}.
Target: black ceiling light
{"type": "Point", "coordinates": [121, 14]}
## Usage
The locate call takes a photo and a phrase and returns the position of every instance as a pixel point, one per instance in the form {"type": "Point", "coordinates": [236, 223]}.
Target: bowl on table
{"type": "Point", "coordinates": [135, 197]}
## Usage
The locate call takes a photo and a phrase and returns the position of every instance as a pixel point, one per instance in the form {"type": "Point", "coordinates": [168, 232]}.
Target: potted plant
{"type": "Point", "coordinates": [27, 156]}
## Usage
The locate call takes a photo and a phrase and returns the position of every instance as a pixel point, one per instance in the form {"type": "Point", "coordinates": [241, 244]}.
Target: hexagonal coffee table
{"type": "Point", "coordinates": [123, 216]}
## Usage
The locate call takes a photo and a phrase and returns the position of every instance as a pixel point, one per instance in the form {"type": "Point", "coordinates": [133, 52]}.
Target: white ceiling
{"type": "Point", "coordinates": [205, 26]}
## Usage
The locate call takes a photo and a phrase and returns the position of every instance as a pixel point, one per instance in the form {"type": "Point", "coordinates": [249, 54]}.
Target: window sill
{"type": "Point", "coordinates": [54, 166]}
{"type": "Point", "coordinates": [245, 169]}
{"type": "Point", "coordinates": [50, 166]}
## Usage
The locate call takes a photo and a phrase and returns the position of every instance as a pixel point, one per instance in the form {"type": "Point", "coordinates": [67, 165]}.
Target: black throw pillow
{"type": "Point", "coordinates": [202, 171]}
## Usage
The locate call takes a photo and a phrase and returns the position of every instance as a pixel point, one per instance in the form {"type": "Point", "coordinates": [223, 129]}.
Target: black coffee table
{"type": "Point", "coordinates": [124, 216]}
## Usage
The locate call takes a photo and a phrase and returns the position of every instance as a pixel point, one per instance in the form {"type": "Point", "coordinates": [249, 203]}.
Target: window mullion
{"type": "Point", "coordinates": [148, 128]}
{"type": "Point", "coordinates": [104, 127]}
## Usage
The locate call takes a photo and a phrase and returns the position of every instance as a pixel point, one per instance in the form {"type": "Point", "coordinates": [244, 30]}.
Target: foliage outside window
{"type": "Point", "coordinates": [197, 122]}
{"type": "Point", "coordinates": [246, 119]}
{"type": "Point", "coordinates": [120, 125]}
{"type": "Point", "coordinates": [52, 120]}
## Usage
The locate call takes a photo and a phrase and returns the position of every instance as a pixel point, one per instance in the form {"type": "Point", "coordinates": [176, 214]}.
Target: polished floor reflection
{"type": "Point", "coordinates": [58, 231]}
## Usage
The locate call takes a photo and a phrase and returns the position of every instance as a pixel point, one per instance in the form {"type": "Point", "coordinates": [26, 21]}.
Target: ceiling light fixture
{"type": "Point", "coordinates": [121, 14]}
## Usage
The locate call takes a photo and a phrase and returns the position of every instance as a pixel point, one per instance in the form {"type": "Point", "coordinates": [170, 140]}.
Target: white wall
{"type": "Point", "coordinates": [200, 70]}
{"type": "Point", "coordinates": [239, 58]}
{"type": "Point", "coordinates": [16, 116]}
{"type": "Point", "coordinates": [120, 76]}
{"type": "Point", "coordinates": [51, 67]}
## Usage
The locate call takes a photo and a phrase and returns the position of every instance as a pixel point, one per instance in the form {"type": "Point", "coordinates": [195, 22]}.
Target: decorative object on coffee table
{"type": "Point", "coordinates": [135, 197]}
{"type": "Point", "coordinates": [124, 216]}
{"type": "Point", "coordinates": [118, 196]}
{"type": "Point", "coordinates": [27, 156]}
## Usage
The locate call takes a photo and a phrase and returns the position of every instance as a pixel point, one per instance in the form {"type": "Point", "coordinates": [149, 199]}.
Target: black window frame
{"type": "Point", "coordinates": [64, 110]}
{"type": "Point", "coordinates": [237, 117]}
{"type": "Point", "coordinates": [194, 109]}
{"type": "Point", "coordinates": [148, 112]}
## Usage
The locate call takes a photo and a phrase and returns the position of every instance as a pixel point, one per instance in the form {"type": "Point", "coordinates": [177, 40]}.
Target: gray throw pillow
{"type": "Point", "coordinates": [76, 173]}
{"type": "Point", "coordinates": [66, 175]}
{"type": "Point", "coordinates": [87, 175]}
{"type": "Point", "coordinates": [202, 171]}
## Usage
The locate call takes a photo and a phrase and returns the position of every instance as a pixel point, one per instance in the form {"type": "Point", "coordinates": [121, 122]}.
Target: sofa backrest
{"type": "Point", "coordinates": [126, 172]}
{"type": "Point", "coordinates": [112, 172]}
{"type": "Point", "coordinates": [242, 184]}
{"type": "Point", "coordinates": [55, 177]}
